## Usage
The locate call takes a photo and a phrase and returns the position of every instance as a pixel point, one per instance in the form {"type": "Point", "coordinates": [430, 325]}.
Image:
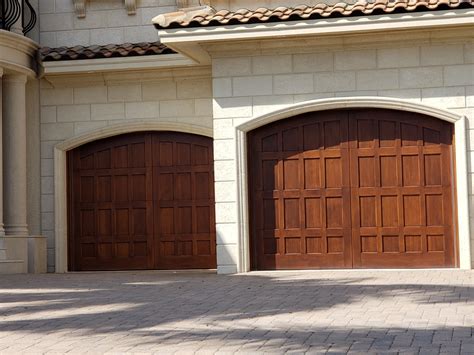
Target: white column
{"type": "Point", "coordinates": [14, 153]}
{"type": "Point", "coordinates": [2, 230]}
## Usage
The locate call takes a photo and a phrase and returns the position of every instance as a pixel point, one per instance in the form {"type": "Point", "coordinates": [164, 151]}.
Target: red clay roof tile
{"type": "Point", "coordinates": [209, 17]}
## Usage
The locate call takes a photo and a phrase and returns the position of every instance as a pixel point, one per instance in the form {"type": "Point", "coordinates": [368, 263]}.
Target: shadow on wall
{"type": "Point", "coordinates": [166, 308]}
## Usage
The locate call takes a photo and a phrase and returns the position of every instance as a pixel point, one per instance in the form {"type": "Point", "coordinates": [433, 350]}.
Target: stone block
{"type": "Point", "coordinates": [142, 110]}
{"type": "Point", "coordinates": [231, 66]}
{"type": "Point", "coordinates": [224, 149]}
{"type": "Point", "coordinates": [252, 85]}
{"type": "Point", "coordinates": [203, 107]}
{"type": "Point", "coordinates": [47, 203]}
{"type": "Point", "coordinates": [48, 114]}
{"type": "Point", "coordinates": [46, 6]}
{"type": "Point", "coordinates": [75, 37]}
{"type": "Point", "coordinates": [120, 18]}
{"type": "Point", "coordinates": [83, 127]}
{"type": "Point", "coordinates": [107, 35]}
{"type": "Point", "coordinates": [227, 254]}
{"type": "Point", "coordinates": [445, 97]}
{"type": "Point", "coordinates": [223, 128]}
{"type": "Point", "coordinates": [360, 59]}
{"type": "Point", "coordinates": [47, 221]}
{"type": "Point", "coordinates": [227, 233]}
{"type": "Point", "coordinates": [74, 113]}
{"type": "Point", "coordinates": [442, 54]}
{"type": "Point", "coordinates": [225, 170]}
{"type": "Point", "coordinates": [103, 112]}
{"type": "Point", "coordinates": [232, 107]}
{"type": "Point", "coordinates": [398, 57]}
{"type": "Point", "coordinates": [56, 22]}
{"type": "Point", "coordinates": [50, 97]}
{"type": "Point", "coordinates": [47, 185]}
{"type": "Point", "coordinates": [313, 62]}
{"type": "Point", "coordinates": [226, 212]}
{"type": "Point", "coordinates": [377, 79]}
{"type": "Point", "coordinates": [468, 53]}
{"type": "Point", "coordinates": [90, 95]}
{"type": "Point", "coordinates": [56, 131]}
{"type": "Point", "coordinates": [176, 108]}
{"type": "Point", "coordinates": [225, 191]}
{"type": "Point", "coordinates": [222, 87]}
{"type": "Point", "coordinates": [459, 75]}
{"type": "Point", "coordinates": [293, 84]}
{"type": "Point", "coordinates": [124, 93]}
{"type": "Point", "coordinates": [194, 89]}
{"type": "Point", "coordinates": [162, 90]}
{"type": "Point", "coordinates": [406, 94]}
{"type": "Point", "coordinates": [423, 77]}
{"type": "Point", "coordinates": [334, 82]}
{"type": "Point", "coordinates": [47, 167]}
{"type": "Point", "coordinates": [271, 64]}
{"type": "Point", "coordinates": [470, 96]}
{"type": "Point", "coordinates": [266, 104]}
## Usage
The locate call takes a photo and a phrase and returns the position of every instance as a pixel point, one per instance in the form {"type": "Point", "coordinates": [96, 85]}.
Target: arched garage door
{"type": "Point", "coordinates": [359, 188]}
{"type": "Point", "coordinates": [142, 201]}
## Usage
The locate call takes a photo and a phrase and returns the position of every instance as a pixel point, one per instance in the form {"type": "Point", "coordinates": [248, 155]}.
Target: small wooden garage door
{"type": "Point", "coordinates": [360, 188]}
{"type": "Point", "coordinates": [142, 201]}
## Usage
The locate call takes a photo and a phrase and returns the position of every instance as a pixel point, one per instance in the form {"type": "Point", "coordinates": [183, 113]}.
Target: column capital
{"type": "Point", "coordinates": [15, 78]}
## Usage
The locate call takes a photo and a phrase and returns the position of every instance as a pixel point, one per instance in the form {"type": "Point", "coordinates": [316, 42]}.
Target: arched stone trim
{"type": "Point", "coordinates": [60, 171]}
{"type": "Point", "coordinates": [461, 175]}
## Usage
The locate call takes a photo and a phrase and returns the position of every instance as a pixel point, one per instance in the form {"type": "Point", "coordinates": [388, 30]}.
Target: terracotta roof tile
{"type": "Point", "coordinates": [48, 54]}
{"type": "Point", "coordinates": [206, 16]}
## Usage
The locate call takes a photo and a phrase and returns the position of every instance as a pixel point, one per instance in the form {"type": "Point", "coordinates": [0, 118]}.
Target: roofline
{"type": "Point", "coordinates": [115, 64]}
{"type": "Point", "coordinates": [180, 38]}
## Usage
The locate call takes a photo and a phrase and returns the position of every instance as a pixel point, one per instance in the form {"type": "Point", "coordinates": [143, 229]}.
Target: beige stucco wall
{"type": "Point", "coordinates": [106, 22]}
{"type": "Point", "coordinates": [250, 80]}
{"type": "Point", "coordinates": [78, 105]}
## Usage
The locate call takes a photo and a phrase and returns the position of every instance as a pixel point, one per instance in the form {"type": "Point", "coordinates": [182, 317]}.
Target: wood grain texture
{"type": "Point", "coordinates": [142, 201]}
{"type": "Point", "coordinates": [358, 188]}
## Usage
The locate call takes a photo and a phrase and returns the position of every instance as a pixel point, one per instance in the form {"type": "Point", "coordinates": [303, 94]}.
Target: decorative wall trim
{"type": "Point", "coordinates": [463, 229]}
{"type": "Point", "coordinates": [80, 7]}
{"type": "Point", "coordinates": [60, 171]}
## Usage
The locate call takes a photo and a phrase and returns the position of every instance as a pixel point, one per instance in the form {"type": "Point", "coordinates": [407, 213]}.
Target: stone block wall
{"type": "Point", "coordinates": [106, 22]}
{"type": "Point", "coordinates": [256, 82]}
{"type": "Point", "coordinates": [76, 108]}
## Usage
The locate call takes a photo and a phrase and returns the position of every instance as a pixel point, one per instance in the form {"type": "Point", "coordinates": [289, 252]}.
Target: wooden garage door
{"type": "Point", "coordinates": [360, 188]}
{"type": "Point", "coordinates": [142, 201]}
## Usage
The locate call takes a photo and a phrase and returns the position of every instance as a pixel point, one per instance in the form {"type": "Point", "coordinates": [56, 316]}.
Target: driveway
{"type": "Point", "coordinates": [423, 311]}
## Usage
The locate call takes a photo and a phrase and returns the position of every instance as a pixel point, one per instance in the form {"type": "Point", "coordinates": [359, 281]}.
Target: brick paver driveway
{"type": "Point", "coordinates": [142, 312]}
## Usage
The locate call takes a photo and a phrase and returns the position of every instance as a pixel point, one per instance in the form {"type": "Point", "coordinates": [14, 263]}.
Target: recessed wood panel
{"type": "Point", "coordinates": [352, 188]}
{"type": "Point", "coordinates": [142, 201]}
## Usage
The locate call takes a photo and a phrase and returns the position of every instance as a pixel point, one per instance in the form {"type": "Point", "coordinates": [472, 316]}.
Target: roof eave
{"type": "Point", "coordinates": [115, 64]}
{"type": "Point", "coordinates": [179, 39]}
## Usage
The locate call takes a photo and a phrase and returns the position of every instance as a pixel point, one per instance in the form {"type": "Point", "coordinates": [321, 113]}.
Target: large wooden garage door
{"type": "Point", "coordinates": [360, 188]}
{"type": "Point", "coordinates": [142, 201]}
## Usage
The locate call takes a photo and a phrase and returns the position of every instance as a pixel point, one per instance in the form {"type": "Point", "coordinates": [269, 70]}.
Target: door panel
{"type": "Point", "coordinates": [184, 201]}
{"type": "Point", "coordinates": [359, 188]}
{"type": "Point", "coordinates": [401, 191]}
{"type": "Point", "coordinates": [300, 195]}
{"type": "Point", "coordinates": [142, 201]}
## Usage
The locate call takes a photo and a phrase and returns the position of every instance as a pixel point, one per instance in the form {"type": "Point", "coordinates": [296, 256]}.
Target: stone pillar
{"type": "Point", "coordinates": [14, 153]}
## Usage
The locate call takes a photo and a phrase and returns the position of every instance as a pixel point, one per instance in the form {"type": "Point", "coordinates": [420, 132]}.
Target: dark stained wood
{"type": "Point", "coordinates": [117, 194]}
{"type": "Point", "coordinates": [401, 189]}
{"type": "Point", "coordinates": [359, 188]}
{"type": "Point", "coordinates": [300, 197]}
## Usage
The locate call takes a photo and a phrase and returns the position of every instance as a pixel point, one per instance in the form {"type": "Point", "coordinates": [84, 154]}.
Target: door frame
{"type": "Point", "coordinates": [60, 171]}
{"type": "Point", "coordinates": [461, 200]}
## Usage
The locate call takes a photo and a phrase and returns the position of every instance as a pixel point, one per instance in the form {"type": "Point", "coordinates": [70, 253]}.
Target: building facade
{"type": "Point", "coordinates": [238, 135]}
